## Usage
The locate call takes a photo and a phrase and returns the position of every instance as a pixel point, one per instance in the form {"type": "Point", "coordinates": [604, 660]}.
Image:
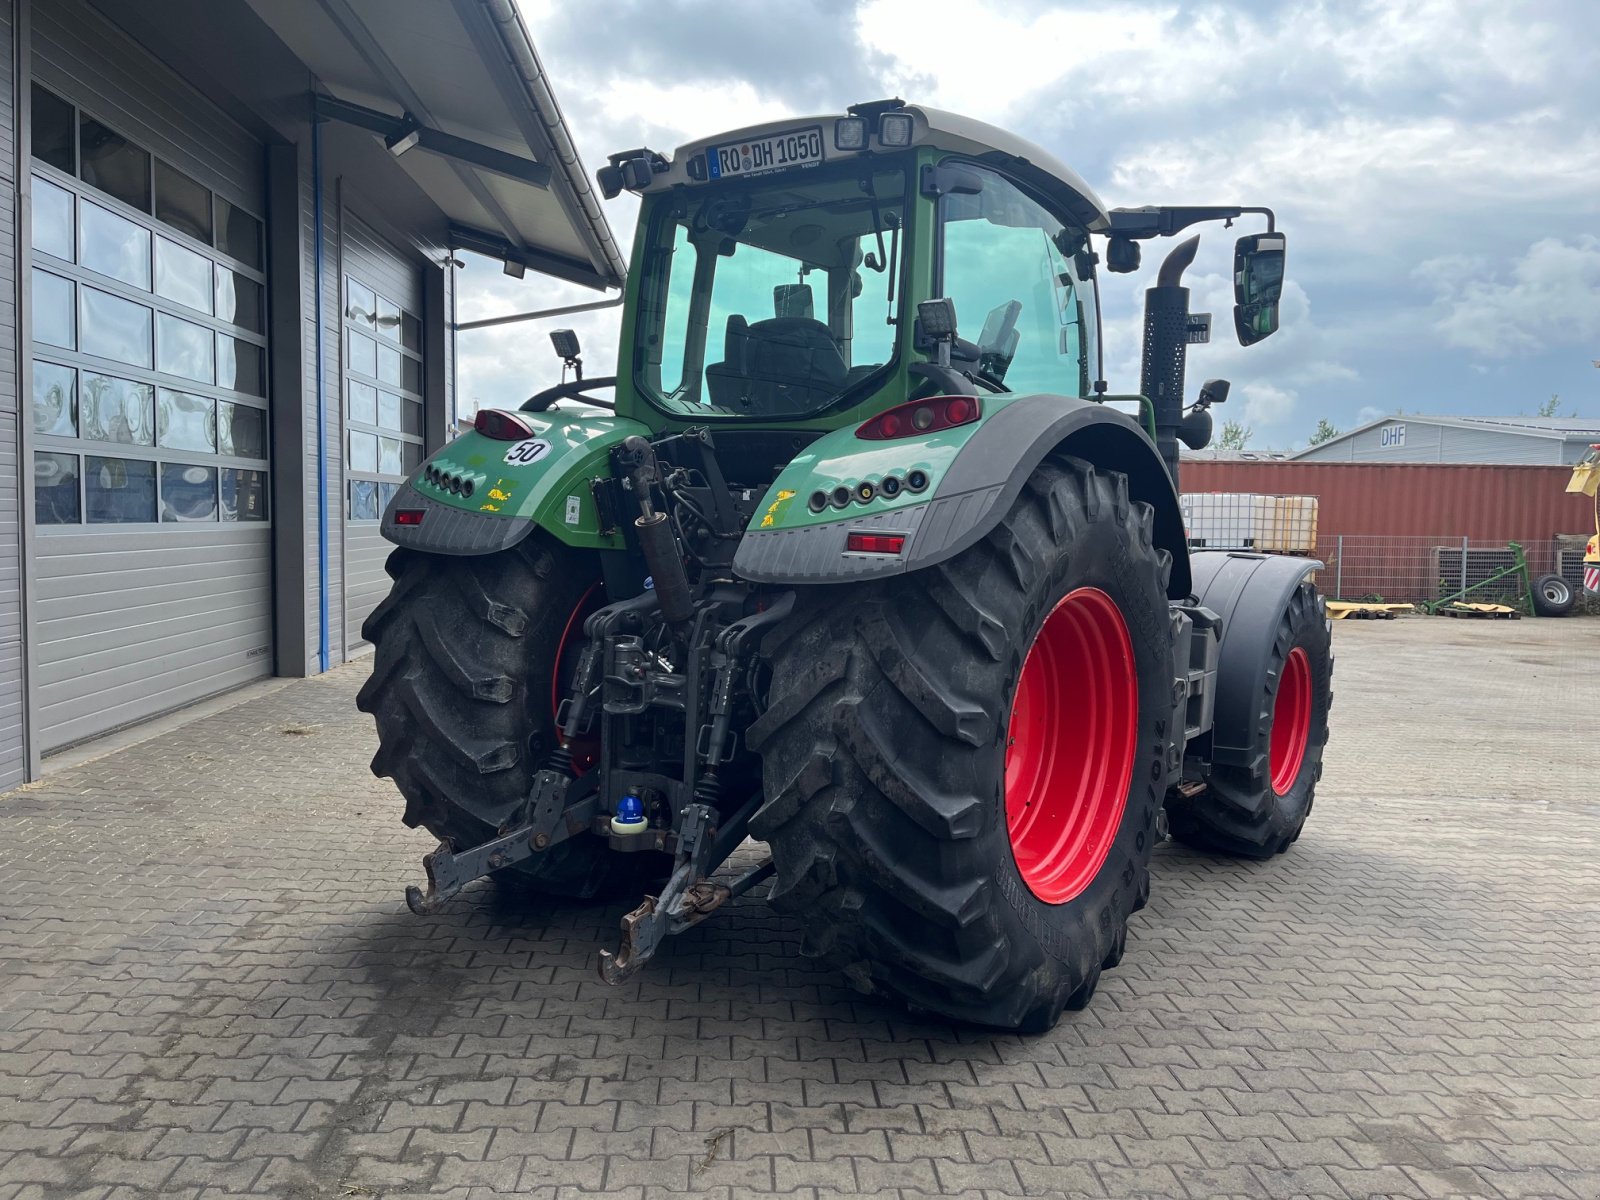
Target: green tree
{"type": "Point", "coordinates": [1549, 407]}
{"type": "Point", "coordinates": [1326, 431]}
{"type": "Point", "coordinates": [1235, 435]}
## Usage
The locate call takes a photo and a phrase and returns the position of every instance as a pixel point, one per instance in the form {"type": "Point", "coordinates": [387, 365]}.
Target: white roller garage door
{"type": "Point", "coordinates": [153, 550]}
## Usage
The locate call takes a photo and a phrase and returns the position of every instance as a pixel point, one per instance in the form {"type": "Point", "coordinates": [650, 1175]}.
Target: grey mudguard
{"type": "Point", "coordinates": [975, 493]}
{"type": "Point", "coordinates": [1249, 592]}
{"type": "Point", "coordinates": [446, 530]}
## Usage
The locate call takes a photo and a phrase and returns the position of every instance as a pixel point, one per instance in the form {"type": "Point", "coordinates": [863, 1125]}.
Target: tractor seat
{"type": "Point", "coordinates": [777, 366]}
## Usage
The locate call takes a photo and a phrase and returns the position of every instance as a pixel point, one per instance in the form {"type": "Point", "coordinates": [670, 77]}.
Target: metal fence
{"type": "Point", "coordinates": [1416, 569]}
{"type": "Point", "coordinates": [1390, 568]}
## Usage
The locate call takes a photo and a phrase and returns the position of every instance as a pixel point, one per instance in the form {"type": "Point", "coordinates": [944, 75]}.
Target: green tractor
{"type": "Point", "coordinates": [909, 602]}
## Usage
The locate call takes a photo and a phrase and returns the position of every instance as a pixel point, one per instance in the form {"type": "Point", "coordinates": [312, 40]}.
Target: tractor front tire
{"type": "Point", "coordinates": [467, 650]}
{"type": "Point", "coordinates": [1257, 809]}
{"type": "Point", "coordinates": [963, 766]}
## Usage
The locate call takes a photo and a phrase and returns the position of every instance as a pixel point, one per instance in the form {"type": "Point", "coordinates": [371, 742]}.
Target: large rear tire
{"type": "Point", "coordinates": [461, 689]}
{"type": "Point", "coordinates": [963, 766]}
{"type": "Point", "coordinates": [1257, 810]}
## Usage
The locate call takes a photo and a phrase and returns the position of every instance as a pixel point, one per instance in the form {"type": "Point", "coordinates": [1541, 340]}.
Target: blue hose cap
{"type": "Point", "coordinates": [629, 817]}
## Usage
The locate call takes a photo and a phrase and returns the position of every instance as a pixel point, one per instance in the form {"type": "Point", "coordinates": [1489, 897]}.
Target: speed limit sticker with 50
{"type": "Point", "coordinates": [530, 450]}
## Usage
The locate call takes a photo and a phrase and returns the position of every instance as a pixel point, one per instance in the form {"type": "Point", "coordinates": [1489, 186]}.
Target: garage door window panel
{"type": "Point", "coordinates": [114, 164]}
{"type": "Point", "coordinates": [55, 399]}
{"type": "Point", "coordinates": [114, 328]}
{"type": "Point", "coordinates": [184, 276]}
{"type": "Point", "coordinates": [53, 223]}
{"type": "Point", "coordinates": [114, 246]}
{"type": "Point", "coordinates": [54, 131]}
{"type": "Point", "coordinates": [241, 430]}
{"type": "Point", "coordinates": [54, 319]}
{"type": "Point", "coordinates": [240, 365]}
{"type": "Point", "coordinates": [119, 491]}
{"type": "Point", "coordinates": [184, 348]}
{"type": "Point", "coordinates": [117, 410]}
{"type": "Point", "coordinates": [182, 203]}
{"type": "Point", "coordinates": [238, 234]}
{"type": "Point", "coordinates": [383, 397]}
{"type": "Point", "coordinates": [185, 421]}
{"type": "Point", "coordinates": [55, 489]}
{"type": "Point", "coordinates": [188, 492]}
{"type": "Point", "coordinates": [152, 271]}
{"type": "Point", "coordinates": [244, 494]}
{"type": "Point", "coordinates": [238, 299]}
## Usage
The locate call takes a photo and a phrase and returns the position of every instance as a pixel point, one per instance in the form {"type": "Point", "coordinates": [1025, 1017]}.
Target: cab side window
{"type": "Point", "coordinates": [1017, 293]}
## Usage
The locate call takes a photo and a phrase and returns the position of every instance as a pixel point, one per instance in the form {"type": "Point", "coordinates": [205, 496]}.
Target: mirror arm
{"type": "Point", "coordinates": [1153, 221]}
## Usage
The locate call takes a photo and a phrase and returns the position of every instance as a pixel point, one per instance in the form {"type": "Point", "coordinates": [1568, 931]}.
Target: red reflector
{"type": "Point", "coordinates": [501, 425]}
{"type": "Point", "coordinates": [921, 416]}
{"type": "Point", "coordinates": [876, 543]}
{"type": "Point", "coordinates": [408, 516]}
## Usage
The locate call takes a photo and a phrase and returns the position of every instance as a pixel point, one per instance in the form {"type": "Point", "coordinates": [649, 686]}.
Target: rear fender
{"type": "Point", "coordinates": [541, 481]}
{"type": "Point", "coordinates": [975, 479]}
{"type": "Point", "coordinates": [1249, 592]}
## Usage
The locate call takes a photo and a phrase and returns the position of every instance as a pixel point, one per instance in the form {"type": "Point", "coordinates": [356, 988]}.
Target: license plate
{"type": "Point", "coordinates": [777, 152]}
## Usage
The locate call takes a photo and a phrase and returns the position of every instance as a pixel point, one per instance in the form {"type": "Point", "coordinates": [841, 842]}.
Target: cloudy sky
{"type": "Point", "coordinates": [1435, 164]}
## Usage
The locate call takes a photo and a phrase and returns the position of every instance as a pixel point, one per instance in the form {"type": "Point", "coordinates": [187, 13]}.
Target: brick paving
{"type": "Point", "coordinates": [212, 987]}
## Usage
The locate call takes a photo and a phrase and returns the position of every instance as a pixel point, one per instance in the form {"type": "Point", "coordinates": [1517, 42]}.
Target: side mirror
{"type": "Point", "coordinates": [1194, 430]}
{"type": "Point", "coordinates": [1257, 285]}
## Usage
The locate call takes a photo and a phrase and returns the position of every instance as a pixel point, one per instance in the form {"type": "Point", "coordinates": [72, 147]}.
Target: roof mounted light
{"type": "Point", "coordinates": [850, 133]}
{"type": "Point", "coordinates": [896, 128]}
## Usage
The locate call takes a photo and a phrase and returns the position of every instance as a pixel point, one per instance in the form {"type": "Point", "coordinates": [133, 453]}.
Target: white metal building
{"type": "Point", "coordinates": [1506, 440]}
{"type": "Point", "coordinates": [227, 231]}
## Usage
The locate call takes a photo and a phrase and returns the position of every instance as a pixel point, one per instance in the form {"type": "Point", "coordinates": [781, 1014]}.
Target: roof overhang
{"type": "Point", "coordinates": [456, 92]}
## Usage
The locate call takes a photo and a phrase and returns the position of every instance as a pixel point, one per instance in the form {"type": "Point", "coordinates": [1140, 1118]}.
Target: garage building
{"type": "Point", "coordinates": [1508, 441]}
{"type": "Point", "coordinates": [228, 247]}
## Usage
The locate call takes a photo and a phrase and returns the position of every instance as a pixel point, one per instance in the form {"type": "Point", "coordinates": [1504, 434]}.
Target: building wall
{"type": "Point", "coordinates": [1488, 503]}
{"type": "Point", "coordinates": [1424, 441]}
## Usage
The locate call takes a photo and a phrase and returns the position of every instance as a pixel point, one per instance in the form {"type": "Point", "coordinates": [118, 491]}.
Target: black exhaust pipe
{"type": "Point", "coordinates": [1166, 332]}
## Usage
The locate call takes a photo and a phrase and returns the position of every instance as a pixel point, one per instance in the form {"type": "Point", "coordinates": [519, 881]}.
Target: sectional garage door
{"type": "Point", "coordinates": [152, 548]}
{"type": "Point", "coordinates": [383, 381]}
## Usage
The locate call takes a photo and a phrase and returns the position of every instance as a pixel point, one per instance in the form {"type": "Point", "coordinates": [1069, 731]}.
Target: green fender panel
{"type": "Point", "coordinates": [539, 481]}
{"type": "Point", "coordinates": [974, 478]}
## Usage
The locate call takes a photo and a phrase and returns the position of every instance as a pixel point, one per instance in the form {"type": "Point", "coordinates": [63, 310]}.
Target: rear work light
{"type": "Point", "coordinates": [921, 416]}
{"type": "Point", "coordinates": [408, 516]}
{"type": "Point", "coordinates": [876, 543]}
{"type": "Point", "coordinates": [501, 425]}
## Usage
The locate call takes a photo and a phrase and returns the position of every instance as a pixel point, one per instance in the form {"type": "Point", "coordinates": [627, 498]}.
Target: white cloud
{"type": "Point", "coordinates": [1551, 297]}
{"type": "Point", "coordinates": [1264, 405]}
{"type": "Point", "coordinates": [1398, 141]}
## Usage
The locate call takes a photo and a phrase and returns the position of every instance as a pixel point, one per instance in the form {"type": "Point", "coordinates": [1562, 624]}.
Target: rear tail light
{"type": "Point", "coordinates": [501, 425]}
{"type": "Point", "coordinates": [408, 516]}
{"type": "Point", "coordinates": [918, 417]}
{"type": "Point", "coordinates": [876, 543]}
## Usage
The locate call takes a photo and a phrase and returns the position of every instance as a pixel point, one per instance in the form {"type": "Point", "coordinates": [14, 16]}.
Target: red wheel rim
{"type": "Point", "coordinates": [584, 749]}
{"type": "Point", "coordinates": [1291, 721]}
{"type": "Point", "coordinates": [1070, 745]}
